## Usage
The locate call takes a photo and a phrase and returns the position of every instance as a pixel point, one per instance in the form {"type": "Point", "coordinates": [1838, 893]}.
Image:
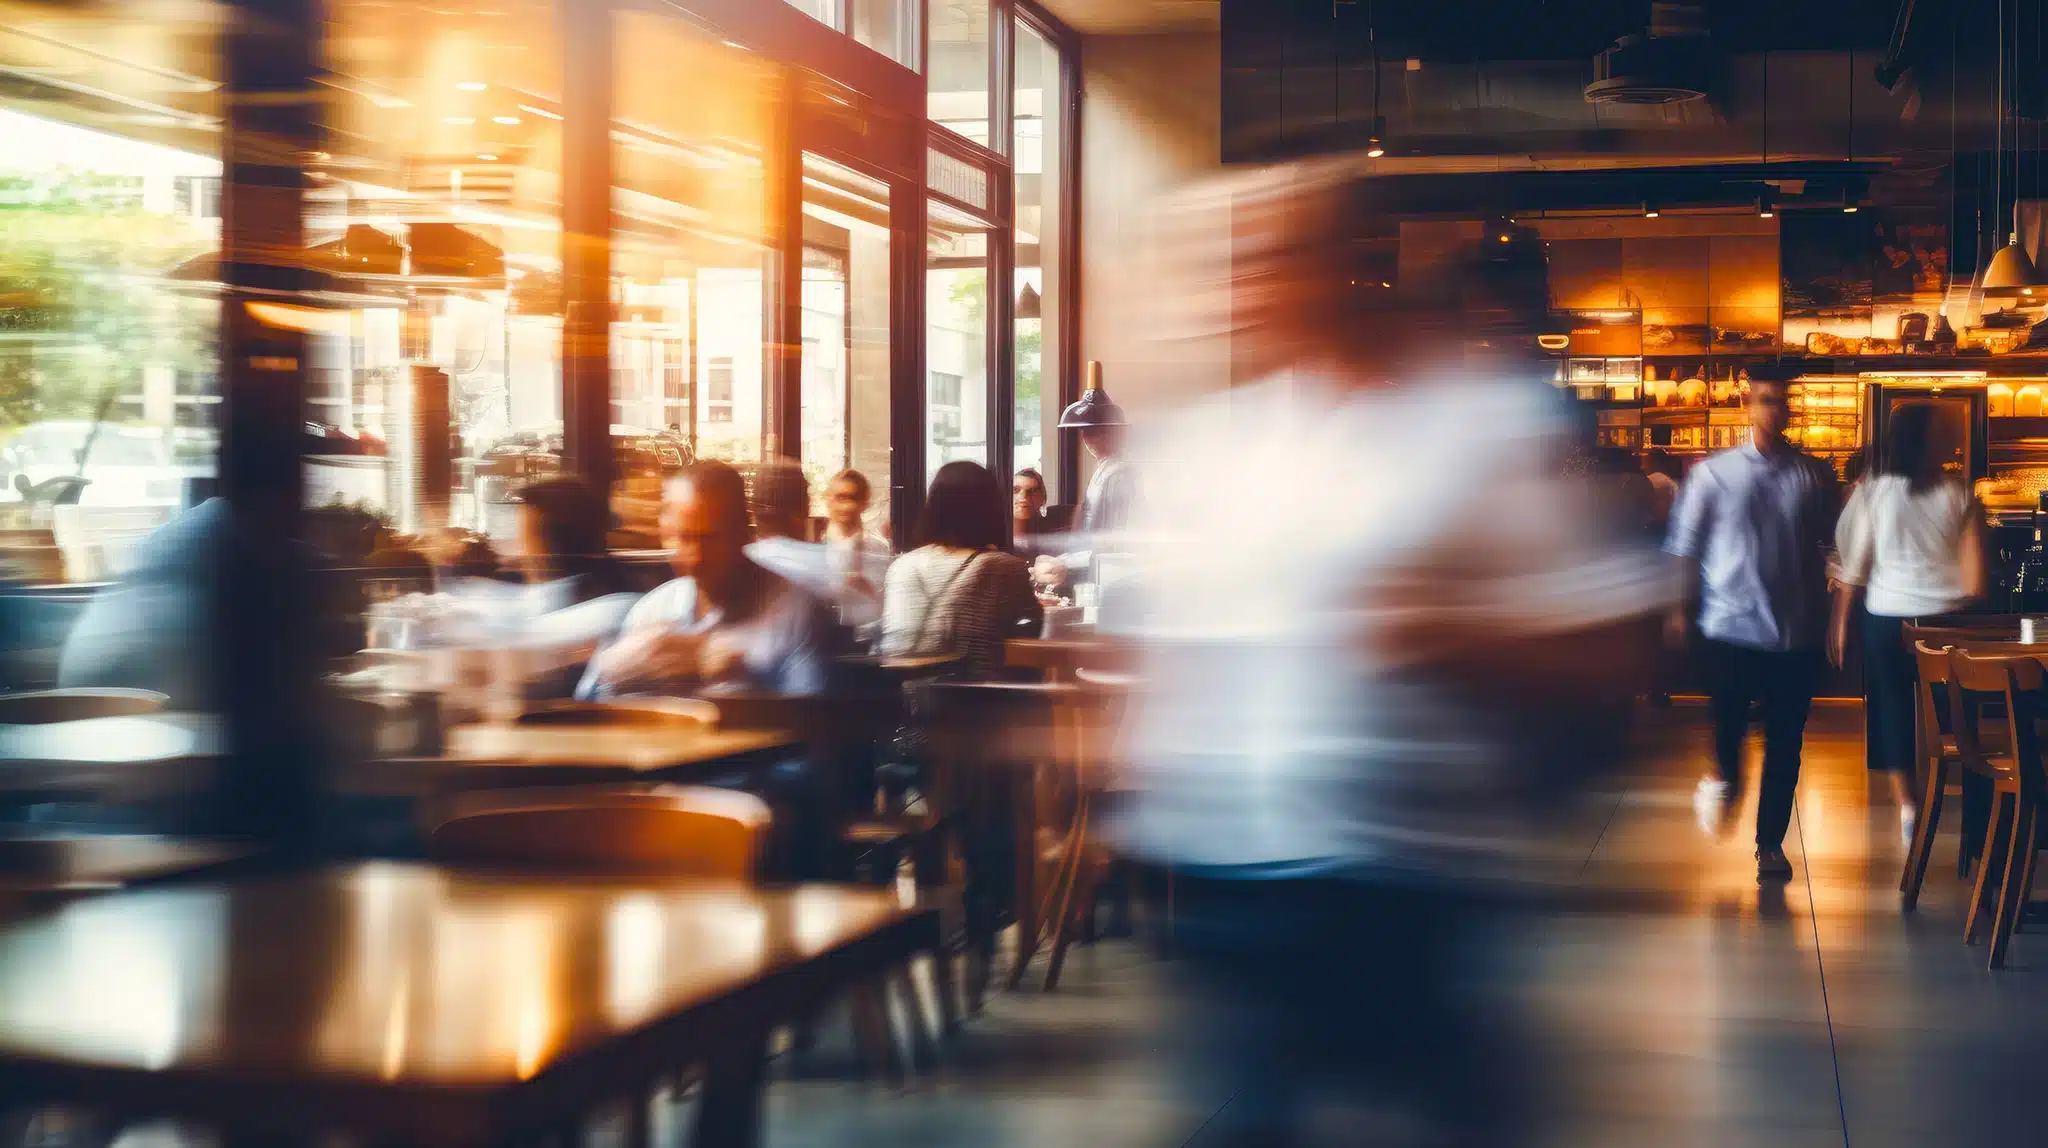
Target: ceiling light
{"type": "Point", "coordinates": [459, 121]}
{"type": "Point", "coordinates": [486, 157]}
{"type": "Point", "coordinates": [1766, 204]}
{"type": "Point", "coordinates": [383, 101]}
{"type": "Point", "coordinates": [508, 121]}
{"type": "Point", "coordinates": [1503, 237]}
{"type": "Point", "coordinates": [2010, 272]}
{"type": "Point", "coordinates": [1375, 142]}
{"type": "Point", "coordinates": [1650, 211]}
{"type": "Point", "coordinates": [1849, 209]}
{"type": "Point", "coordinates": [471, 86]}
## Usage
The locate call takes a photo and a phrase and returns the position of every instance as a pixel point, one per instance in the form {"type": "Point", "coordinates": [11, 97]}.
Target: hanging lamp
{"type": "Point", "coordinates": [2011, 273]}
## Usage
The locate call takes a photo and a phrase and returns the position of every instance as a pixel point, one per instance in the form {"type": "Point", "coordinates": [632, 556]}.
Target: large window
{"type": "Point", "coordinates": [845, 417]}
{"type": "Point", "coordinates": [109, 307]}
{"type": "Point", "coordinates": [956, 340]}
{"type": "Point", "coordinates": [436, 204]}
{"type": "Point", "coordinates": [691, 239]}
{"type": "Point", "coordinates": [960, 66]}
{"type": "Point", "coordinates": [1038, 134]}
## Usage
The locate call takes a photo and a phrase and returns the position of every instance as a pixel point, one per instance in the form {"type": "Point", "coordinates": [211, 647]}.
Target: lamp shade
{"type": "Point", "coordinates": [2010, 272]}
{"type": "Point", "coordinates": [1094, 409]}
{"type": "Point", "coordinates": [1029, 304]}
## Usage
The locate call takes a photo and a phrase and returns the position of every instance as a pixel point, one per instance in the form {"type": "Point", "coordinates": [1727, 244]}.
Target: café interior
{"type": "Point", "coordinates": [310, 863]}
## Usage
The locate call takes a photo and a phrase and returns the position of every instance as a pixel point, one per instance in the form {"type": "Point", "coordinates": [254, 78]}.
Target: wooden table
{"type": "Point", "coordinates": [509, 756]}
{"type": "Point", "coordinates": [38, 866]}
{"type": "Point", "coordinates": [1058, 658]}
{"type": "Point", "coordinates": [113, 758]}
{"type": "Point", "coordinates": [408, 1004]}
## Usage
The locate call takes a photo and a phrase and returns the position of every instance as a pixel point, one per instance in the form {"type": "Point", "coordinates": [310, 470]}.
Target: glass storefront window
{"type": "Point", "coordinates": [956, 340]}
{"type": "Point", "coordinates": [690, 244]}
{"type": "Point", "coordinates": [845, 417]}
{"type": "Point", "coordinates": [960, 67]}
{"type": "Point", "coordinates": [889, 27]}
{"type": "Point", "coordinates": [110, 179]}
{"type": "Point", "coordinates": [436, 208]}
{"type": "Point", "coordinates": [831, 13]}
{"type": "Point", "coordinates": [1038, 142]}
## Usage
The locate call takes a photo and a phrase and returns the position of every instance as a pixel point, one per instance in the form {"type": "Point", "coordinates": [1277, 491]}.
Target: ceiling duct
{"type": "Point", "coordinates": [1671, 64]}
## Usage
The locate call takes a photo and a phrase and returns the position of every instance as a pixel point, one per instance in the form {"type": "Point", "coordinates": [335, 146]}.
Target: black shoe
{"type": "Point", "coordinates": [1772, 865]}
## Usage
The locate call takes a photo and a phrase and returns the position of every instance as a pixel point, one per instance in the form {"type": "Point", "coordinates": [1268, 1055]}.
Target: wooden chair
{"type": "Point", "coordinates": [2017, 808]}
{"type": "Point", "coordinates": [691, 830]}
{"type": "Point", "coordinates": [42, 707]}
{"type": "Point", "coordinates": [1934, 749]}
{"type": "Point", "coordinates": [1976, 677]}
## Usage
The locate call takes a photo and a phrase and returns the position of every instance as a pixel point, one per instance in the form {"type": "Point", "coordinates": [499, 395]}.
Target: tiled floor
{"type": "Point", "coordinates": [1694, 1010]}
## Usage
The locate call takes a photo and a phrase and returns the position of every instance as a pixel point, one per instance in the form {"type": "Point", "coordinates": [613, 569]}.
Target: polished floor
{"type": "Point", "coordinates": [1684, 1006]}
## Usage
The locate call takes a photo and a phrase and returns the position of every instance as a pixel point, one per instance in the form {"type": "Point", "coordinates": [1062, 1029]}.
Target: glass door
{"type": "Point", "coordinates": [845, 332]}
{"type": "Point", "coordinates": [956, 339]}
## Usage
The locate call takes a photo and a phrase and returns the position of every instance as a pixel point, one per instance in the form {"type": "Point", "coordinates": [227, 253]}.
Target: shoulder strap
{"type": "Point", "coordinates": [934, 606]}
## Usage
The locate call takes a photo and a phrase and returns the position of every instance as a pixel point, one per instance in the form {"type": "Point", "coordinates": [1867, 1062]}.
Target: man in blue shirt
{"type": "Point", "coordinates": [1753, 524]}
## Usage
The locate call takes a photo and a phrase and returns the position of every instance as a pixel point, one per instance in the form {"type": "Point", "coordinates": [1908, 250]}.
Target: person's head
{"type": "Point", "coordinates": [561, 524]}
{"type": "Point", "coordinates": [964, 508]}
{"type": "Point", "coordinates": [1027, 496]}
{"type": "Point", "coordinates": [1769, 403]}
{"type": "Point", "coordinates": [1909, 448]}
{"type": "Point", "coordinates": [1103, 442]}
{"type": "Point", "coordinates": [846, 500]}
{"type": "Point", "coordinates": [782, 500]}
{"type": "Point", "coordinates": [704, 524]}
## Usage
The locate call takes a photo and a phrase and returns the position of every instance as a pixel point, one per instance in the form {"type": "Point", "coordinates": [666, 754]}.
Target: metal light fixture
{"type": "Point", "coordinates": [1375, 144]}
{"type": "Point", "coordinates": [1029, 303]}
{"type": "Point", "coordinates": [2011, 272]}
{"type": "Point", "coordinates": [1766, 205]}
{"type": "Point", "coordinates": [1650, 210]}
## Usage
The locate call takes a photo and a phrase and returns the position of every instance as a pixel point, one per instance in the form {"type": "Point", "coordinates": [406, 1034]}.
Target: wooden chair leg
{"type": "Point", "coordinates": [877, 1048]}
{"type": "Point", "coordinates": [1086, 881]}
{"type": "Point", "coordinates": [729, 1114]}
{"type": "Point", "coordinates": [1931, 798]}
{"type": "Point", "coordinates": [924, 1054]}
{"type": "Point", "coordinates": [945, 986]}
{"type": "Point", "coordinates": [2011, 890]}
{"type": "Point", "coordinates": [1995, 839]}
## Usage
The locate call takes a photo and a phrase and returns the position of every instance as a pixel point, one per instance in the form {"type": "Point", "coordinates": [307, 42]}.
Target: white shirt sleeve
{"type": "Point", "coordinates": [1855, 540]}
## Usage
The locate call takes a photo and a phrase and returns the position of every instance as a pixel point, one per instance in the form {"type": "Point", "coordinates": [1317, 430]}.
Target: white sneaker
{"type": "Point", "coordinates": [1908, 821]}
{"type": "Point", "coordinates": [1708, 802]}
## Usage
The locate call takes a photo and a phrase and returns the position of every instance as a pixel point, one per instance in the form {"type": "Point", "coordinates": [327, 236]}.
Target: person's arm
{"type": "Point", "coordinates": [1686, 541]}
{"type": "Point", "coordinates": [1976, 552]}
{"type": "Point", "coordinates": [1855, 552]}
{"type": "Point", "coordinates": [617, 659]}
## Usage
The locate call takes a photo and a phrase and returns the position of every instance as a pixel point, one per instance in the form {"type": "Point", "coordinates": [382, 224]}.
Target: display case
{"type": "Point", "coordinates": [1827, 418]}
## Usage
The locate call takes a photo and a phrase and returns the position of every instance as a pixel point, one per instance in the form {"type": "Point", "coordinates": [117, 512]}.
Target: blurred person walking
{"type": "Point", "coordinates": [1753, 524]}
{"type": "Point", "coordinates": [856, 558]}
{"type": "Point", "coordinates": [1910, 543]}
{"type": "Point", "coordinates": [1332, 746]}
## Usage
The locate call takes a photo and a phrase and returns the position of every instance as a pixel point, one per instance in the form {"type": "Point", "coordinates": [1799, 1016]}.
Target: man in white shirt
{"type": "Point", "coordinates": [723, 622]}
{"type": "Point", "coordinates": [1753, 525]}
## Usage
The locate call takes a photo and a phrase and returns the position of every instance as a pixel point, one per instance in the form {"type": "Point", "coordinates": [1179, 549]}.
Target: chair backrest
{"type": "Point", "coordinates": [41, 707]}
{"type": "Point", "coordinates": [658, 713]}
{"type": "Point", "coordinates": [674, 830]}
{"type": "Point", "coordinates": [2003, 673]}
{"type": "Point", "coordinates": [1931, 660]}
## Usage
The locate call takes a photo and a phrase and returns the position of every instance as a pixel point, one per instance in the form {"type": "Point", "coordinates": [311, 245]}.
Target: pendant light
{"type": "Point", "coordinates": [2010, 274]}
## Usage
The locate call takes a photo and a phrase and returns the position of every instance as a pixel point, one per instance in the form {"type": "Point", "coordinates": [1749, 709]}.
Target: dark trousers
{"type": "Point", "coordinates": [1889, 678]}
{"type": "Point", "coordinates": [1783, 681]}
{"type": "Point", "coordinates": [1294, 991]}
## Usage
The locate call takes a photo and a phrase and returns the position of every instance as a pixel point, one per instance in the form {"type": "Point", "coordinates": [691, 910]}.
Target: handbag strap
{"type": "Point", "coordinates": [934, 607]}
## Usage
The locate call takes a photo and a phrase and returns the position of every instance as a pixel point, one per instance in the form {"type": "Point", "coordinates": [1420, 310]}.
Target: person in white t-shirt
{"type": "Point", "coordinates": [1910, 544]}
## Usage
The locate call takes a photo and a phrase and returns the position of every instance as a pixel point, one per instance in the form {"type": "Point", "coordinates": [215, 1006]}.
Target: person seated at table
{"type": "Point", "coordinates": [857, 557]}
{"type": "Point", "coordinates": [567, 572]}
{"type": "Point", "coordinates": [960, 592]}
{"type": "Point", "coordinates": [724, 622]}
{"type": "Point", "coordinates": [781, 506]}
{"type": "Point", "coordinates": [1028, 524]}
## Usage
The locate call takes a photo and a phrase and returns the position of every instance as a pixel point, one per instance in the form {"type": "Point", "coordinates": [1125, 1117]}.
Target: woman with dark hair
{"type": "Point", "coordinates": [959, 591]}
{"type": "Point", "coordinates": [1911, 544]}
